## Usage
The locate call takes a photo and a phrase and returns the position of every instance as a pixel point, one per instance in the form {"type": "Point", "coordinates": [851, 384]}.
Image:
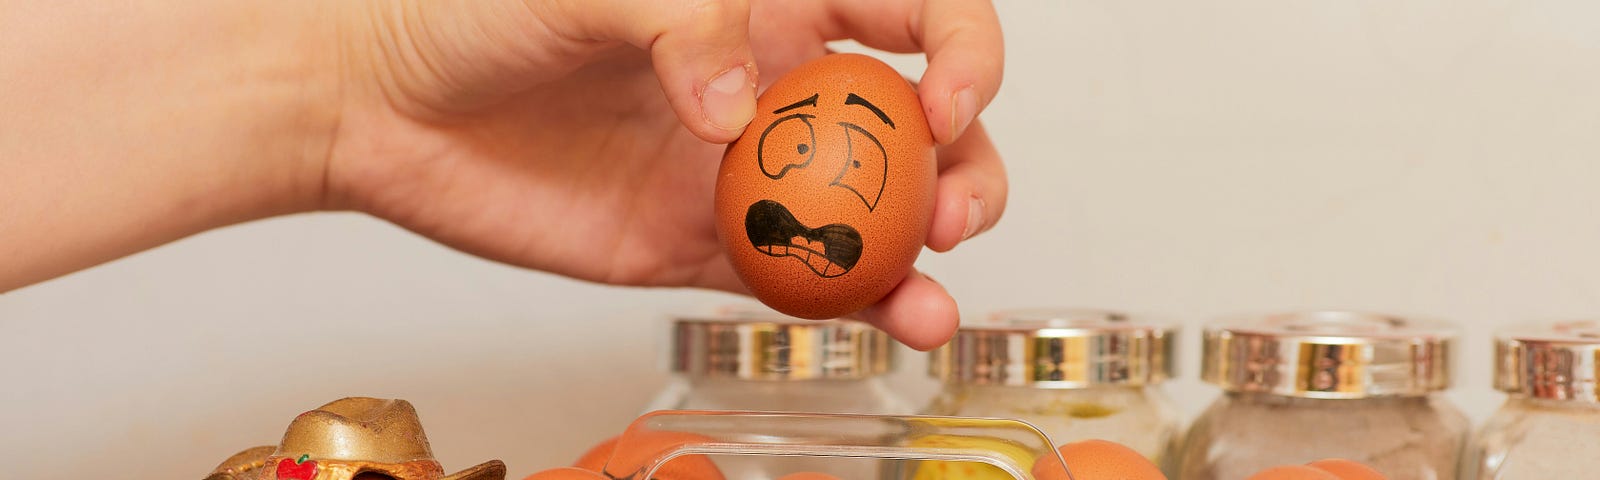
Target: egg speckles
{"type": "Point", "coordinates": [825, 201]}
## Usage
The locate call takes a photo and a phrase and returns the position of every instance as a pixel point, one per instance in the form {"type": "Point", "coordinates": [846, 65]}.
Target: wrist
{"type": "Point", "coordinates": [295, 83]}
{"type": "Point", "coordinates": [259, 114]}
{"type": "Point", "coordinates": [142, 125]}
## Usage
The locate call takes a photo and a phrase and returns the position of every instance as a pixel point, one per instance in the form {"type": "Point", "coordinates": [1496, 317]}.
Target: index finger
{"type": "Point", "coordinates": [962, 41]}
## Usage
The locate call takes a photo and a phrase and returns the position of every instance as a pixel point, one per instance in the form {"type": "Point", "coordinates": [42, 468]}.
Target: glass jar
{"type": "Point", "coordinates": [1549, 426]}
{"type": "Point", "coordinates": [742, 360]}
{"type": "Point", "coordinates": [1300, 387]}
{"type": "Point", "coordinates": [1076, 374]}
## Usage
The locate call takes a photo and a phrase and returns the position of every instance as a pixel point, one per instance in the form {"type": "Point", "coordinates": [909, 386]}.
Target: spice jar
{"type": "Point", "coordinates": [1299, 387]}
{"type": "Point", "coordinates": [747, 360]}
{"type": "Point", "coordinates": [1076, 374]}
{"type": "Point", "coordinates": [1549, 426]}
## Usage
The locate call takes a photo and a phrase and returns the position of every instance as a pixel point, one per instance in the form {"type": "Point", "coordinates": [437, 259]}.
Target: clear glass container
{"type": "Point", "coordinates": [1306, 386]}
{"type": "Point", "coordinates": [1012, 448]}
{"type": "Point", "coordinates": [1076, 374]}
{"type": "Point", "coordinates": [763, 361]}
{"type": "Point", "coordinates": [1549, 426]}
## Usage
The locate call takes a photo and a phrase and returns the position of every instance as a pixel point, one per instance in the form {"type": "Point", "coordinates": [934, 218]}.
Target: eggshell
{"type": "Point", "coordinates": [595, 458]}
{"type": "Point", "coordinates": [825, 201]}
{"type": "Point", "coordinates": [1347, 469]}
{"type": "Point", "coordinates": [566, 473]}
{"type": "Point", "coordinates": [1097, 460]}
{"type": "Point", "coordinates": [687, 467]}
{"type": "Point", "coordinates": [1295, 472]}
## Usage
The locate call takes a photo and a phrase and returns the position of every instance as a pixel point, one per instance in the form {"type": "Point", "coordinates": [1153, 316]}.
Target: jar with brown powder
{"type": "Point", "coordinates": [1304, 386]}
{"type": "Point", "coordinates": [1549, 426]}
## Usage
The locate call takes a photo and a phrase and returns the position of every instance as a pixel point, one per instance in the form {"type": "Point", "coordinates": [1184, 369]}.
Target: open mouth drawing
{"type": "Point", "coordinates": [829, 251]}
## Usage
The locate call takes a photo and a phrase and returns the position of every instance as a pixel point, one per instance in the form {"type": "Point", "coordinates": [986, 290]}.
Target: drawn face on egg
{"type": "Point", "coordinates": [820, 146]}
{"type": "Point", "coordinates": [824, 202]}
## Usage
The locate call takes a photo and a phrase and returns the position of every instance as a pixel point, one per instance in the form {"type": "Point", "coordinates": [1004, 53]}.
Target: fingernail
{"type": "Point", "coordinates": [729, 101]}
{"type": "Point", "coordinates": [963, 108]}
{"type": "Point", "coordinates": [974, 217]}
{"type": "Point", "coordinates": [930, 278]}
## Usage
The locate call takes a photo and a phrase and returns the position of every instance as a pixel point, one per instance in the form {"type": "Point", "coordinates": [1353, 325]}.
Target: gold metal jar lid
{"type": "Point", "coordinates": [1328, 354]}
{"type": "Point", "coordinates": [750, 345]}
{"type": "Point", "coordinates": [1060, 348]}
{"type": "Point", "coordinates": [1558, 361]}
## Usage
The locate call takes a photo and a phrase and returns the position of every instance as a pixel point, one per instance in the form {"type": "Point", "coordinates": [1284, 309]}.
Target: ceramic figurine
{"type": "Point", "coordinates": [350, 439]}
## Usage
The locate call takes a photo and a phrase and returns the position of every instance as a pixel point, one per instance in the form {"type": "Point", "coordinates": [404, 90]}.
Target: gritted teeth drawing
{"type": "Point", "coordinates": [788, 144]}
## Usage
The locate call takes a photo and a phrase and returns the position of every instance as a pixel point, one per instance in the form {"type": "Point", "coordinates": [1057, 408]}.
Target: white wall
{"type": "Point", "coordinates": [1435, 157]}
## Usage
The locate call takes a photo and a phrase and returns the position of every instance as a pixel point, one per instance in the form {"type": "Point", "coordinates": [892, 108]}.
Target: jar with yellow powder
{"type": "Point", "coordinates": [1076, 374]}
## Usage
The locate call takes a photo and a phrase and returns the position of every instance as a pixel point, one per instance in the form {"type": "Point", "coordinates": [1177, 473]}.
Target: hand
{"type": "Point", "coordinates": [537, 133]}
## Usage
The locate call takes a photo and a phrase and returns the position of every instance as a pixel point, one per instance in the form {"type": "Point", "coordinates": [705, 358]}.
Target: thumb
{"type": "Point", "coordinates": [700, 50]}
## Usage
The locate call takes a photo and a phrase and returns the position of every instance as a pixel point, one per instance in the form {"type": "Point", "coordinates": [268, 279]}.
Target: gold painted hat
{"type": "Point", "coordinates": [372, 438]}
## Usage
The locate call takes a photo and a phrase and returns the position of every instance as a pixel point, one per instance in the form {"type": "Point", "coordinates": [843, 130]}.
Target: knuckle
{"type": "Point", "coordinates": [716, 14]}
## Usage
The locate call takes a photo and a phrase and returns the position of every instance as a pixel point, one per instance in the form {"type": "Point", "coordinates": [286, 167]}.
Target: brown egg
{"type": "Point", "coordinates": [595, 458]}
{"type": "Point", "coordinates": [566, 473]}
{"type": "Point", "coordinates": [687, 467]}
{"type": "Point", "coordinates": [1295, 472]}
{"type": "Point", "coordinates": [1347, 469]}
{"type": "Point", "coordinates": [1097, 460]}
{"type": "Point", "coordinates": [825, 201]}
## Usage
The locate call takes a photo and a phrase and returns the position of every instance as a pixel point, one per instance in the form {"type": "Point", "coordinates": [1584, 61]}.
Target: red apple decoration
{"type": "Point", "coordinates": [297, 468]}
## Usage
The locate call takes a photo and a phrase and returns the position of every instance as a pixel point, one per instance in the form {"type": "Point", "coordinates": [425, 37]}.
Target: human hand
{"type": "Point", "coordinates": [538, 134]}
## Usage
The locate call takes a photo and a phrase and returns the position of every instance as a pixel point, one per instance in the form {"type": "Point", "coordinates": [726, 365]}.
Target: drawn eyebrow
{"type": "Point", "coordinates": [854, 99]}
{"type": "Point", "coordinates": [809, 101]}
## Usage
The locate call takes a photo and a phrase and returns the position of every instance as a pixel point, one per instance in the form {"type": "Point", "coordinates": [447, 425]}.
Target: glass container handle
{"type": "Point", "coordinates": [1013, 446]}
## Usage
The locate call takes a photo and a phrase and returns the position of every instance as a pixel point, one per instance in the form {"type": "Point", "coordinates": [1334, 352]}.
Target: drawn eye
{"type": "Point", "coordinates": [866, 168]}
{"type": "Point", "coordinates": [787, 144]}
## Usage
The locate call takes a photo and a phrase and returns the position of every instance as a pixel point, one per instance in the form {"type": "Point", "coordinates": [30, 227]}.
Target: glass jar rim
{"type": "Point", "coordinates": [1549, 361]}
{"type": "Point", "coordinates": [1328, 354]}
{"type": "Point", "coordinates": [771, 347]}
{"type": "Point", "coordinates": [1058, 348]}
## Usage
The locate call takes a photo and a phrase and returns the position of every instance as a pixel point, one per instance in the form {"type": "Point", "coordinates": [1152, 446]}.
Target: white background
{"type": "Point", "coordinates": [1425, 157]}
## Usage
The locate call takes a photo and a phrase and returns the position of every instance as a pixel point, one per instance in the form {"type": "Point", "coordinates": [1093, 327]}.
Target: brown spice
{"type": "Point", "coordinates": [1405, 438]}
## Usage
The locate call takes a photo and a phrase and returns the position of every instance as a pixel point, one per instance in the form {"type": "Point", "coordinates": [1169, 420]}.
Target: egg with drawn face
{"type": "Point", "coordinates": [826, 199]}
